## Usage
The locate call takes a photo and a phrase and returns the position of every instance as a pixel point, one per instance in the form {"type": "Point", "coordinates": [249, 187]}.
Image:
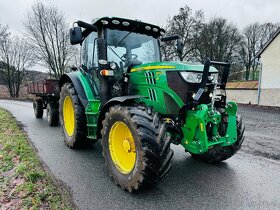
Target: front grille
{"type": "Point", "coordinates": [150, 78]}
{"type": "Point", "coordinates": [185, 90]}
{"type": "Point", "coordinates": [152, 94]}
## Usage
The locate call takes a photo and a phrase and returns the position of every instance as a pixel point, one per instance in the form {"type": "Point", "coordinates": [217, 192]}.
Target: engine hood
{"type": "Point", "coordinates": [172, 66]}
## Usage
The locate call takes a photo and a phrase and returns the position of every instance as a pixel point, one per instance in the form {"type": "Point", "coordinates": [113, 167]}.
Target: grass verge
{"type": "Point", "coordinates": [24, 184]}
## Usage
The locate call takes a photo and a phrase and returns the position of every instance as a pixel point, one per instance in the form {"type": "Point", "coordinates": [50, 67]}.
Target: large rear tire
{"type": "Point", "coordinates": [136, 147]}
{"type": "Point", "coordinates": [218, 153]}
{"type": "Point", "coordinates": [72, 118]}
{"type": "Point", "coordinates": [38, 108]}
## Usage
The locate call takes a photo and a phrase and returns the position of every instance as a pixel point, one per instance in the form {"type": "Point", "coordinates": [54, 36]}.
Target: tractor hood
{"type": "Point", "coordinates": [172, 66]}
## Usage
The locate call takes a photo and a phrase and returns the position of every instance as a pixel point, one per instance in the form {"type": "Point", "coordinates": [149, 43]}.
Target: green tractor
{"type": "Point", "coordinates": [138, 105]}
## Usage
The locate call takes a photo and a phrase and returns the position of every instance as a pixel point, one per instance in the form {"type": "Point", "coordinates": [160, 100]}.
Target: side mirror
{"type": "Point", "coordinates": [76, 36]}
{"type": "Point", "coordinates": [180, 46]}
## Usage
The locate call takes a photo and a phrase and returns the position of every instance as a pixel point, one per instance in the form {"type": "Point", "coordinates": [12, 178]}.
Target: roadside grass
{"type": "Point", "coordinates": [24, 184]}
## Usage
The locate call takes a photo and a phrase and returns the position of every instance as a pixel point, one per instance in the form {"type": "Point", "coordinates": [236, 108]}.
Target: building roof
{"type": "Point", "coordinates": [245, 85]}
{"type": "Point", "coordinates": [268, 43]}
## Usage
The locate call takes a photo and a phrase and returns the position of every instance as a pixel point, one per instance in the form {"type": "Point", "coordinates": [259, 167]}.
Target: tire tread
{"type": "Point", "coordinates": [155, 147]}
{"type": "Point", "coordinates": [218, 153]}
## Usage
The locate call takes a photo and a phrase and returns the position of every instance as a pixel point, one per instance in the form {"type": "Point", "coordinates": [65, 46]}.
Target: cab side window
{"type": "Point", "coordinates": [89, 51]}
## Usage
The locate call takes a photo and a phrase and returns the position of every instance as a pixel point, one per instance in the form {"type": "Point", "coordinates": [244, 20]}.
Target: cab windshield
{"type": "Point", "coordinates": [129, 48]}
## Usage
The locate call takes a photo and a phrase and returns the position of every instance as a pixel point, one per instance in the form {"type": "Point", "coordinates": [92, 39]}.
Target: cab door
{"type": "Point", "coordinates": [89, 61]}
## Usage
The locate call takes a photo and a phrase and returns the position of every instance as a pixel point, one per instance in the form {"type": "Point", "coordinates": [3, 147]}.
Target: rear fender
{"type": "Point", "coordinates": [78, 79]}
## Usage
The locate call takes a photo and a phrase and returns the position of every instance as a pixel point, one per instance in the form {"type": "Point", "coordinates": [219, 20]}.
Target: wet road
{"type": "Point", "coordinates": [246, 181]}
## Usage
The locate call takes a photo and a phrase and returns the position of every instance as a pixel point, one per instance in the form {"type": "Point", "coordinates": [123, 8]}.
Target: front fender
{"type": "Point", "coordinates": [112, 102]}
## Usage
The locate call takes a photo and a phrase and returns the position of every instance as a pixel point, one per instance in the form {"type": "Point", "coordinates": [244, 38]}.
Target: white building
{"type": "Point", "coordinates": [267, 92]}
{"type": "Point", "coordinates": [270, 76]}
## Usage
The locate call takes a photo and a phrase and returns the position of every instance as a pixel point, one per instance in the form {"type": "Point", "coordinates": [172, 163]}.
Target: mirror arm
{"type": "Point", "coordinates": [86, 25]}
{"type": "Point", "coordinates": [171, 38]}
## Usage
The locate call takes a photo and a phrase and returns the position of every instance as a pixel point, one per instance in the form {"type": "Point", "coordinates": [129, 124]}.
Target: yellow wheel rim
{"type": "Point", "coordinates": [68, 116]}
{"type": "Point", "coordinates": [122, 147]}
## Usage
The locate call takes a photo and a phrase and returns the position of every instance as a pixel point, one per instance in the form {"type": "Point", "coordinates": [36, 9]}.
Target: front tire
{"type": "Point", "coordinates": [217, 153]}
{"type": "Point", "coordinates": [72, 117]}
{"type": "Point", "coordinates": [136, 147]}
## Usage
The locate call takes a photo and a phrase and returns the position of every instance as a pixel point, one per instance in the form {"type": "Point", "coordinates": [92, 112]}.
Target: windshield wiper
{"type": "Point", "coordinates": [115, 53]}
{"type": "Point", "coordinates": [126, 36]}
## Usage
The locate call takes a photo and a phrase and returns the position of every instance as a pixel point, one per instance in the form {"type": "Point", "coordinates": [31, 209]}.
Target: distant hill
{"type": "Point", "coordinates": [34, 76]}
{"type": "Point", "coordinates": [31, 76]}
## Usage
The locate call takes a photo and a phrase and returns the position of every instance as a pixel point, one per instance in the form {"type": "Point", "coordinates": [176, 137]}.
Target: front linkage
{"type": "Point", "coordinates": [214, 127]}
{"type": "Point", "coordinates": [206, 127]}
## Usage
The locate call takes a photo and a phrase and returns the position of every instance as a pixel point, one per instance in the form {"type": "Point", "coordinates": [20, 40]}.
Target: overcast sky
{"type": "Point", "coordinates": [240, 12]}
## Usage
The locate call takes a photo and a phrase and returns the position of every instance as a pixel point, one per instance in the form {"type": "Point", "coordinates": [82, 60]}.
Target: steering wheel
{"type": "Point", "coordinates": [133, 56]}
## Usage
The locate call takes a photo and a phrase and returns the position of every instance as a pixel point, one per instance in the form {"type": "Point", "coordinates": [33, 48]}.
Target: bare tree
{"type": "Point", "coordinates": [48, 36]}
{"type": "Point", "coordinates": [218, 40]}
{"type": "Point", "coordinates": [16, 58]}
{"type": "Point", "coordinates": [188, 25]}
{"type": "Point", "coordinates": [3, 32]}
{"type": "Point", "coordinates": [254, 37]}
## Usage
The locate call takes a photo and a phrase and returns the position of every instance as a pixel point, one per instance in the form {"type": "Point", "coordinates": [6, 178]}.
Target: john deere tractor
{"type": "Point", "coordinates": [124, 94]}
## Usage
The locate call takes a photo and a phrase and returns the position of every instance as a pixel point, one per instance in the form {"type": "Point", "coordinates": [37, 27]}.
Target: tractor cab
{"type": "Point", "coordinates": [127, 43]}
{"type": "Point", "coordinates": [128, 49]}
{"type": "Point", "coordinates": [111, 47]}
{"type": "Point", "coordinates": [130, 42]}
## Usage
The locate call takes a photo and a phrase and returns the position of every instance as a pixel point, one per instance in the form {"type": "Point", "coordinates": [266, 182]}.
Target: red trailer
{"type": "Point", "coordinates": [47, 97]}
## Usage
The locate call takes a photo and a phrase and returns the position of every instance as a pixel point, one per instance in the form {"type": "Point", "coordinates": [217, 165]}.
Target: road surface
{"type": "Point", "coordinates": [246, 181]}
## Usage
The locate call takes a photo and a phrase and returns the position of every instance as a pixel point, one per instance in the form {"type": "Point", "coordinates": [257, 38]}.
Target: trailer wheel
{"type": "Point", "coordinates": [73, 118]}
{"type": "Point", "coordinates": [218, 153]}
{"type": "Point", "coordinates": [38, 108]}
{"type": "Point", "coordinates": [136, 147]}
{"type": "Point", "coordinates": [52, 113]}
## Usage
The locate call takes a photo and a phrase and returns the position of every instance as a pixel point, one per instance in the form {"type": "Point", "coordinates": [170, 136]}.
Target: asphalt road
{"type": "Point", "coordinates": [246, 181]}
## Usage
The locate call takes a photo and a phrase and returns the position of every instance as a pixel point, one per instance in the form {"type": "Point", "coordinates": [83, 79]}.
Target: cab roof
{"type": "Point", "coordinates": [129, 25]}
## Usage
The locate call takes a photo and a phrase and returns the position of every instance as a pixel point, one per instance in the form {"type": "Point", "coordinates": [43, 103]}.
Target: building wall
{"type": "Point", "coordinates": [271, 65]}
{"type": "Point", "coordinates": [270, 77]}
{"type": "Point", "coordinates": [270, 97]}
{"type": "Point", "coordinates": [243, 96]}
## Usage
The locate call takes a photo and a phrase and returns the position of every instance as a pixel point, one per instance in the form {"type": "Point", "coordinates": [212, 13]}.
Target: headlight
{"type": "Point", "coordinates": [213, 78]}
{"type": "Point", "coordinates": [113, 65]}
{"type": "Point", "coordinates": [192, 77]}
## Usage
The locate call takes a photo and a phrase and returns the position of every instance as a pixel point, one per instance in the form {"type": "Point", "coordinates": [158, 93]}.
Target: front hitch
{"type": "Point", "coordinates": [202, 128]}
{"type": "Point", "coordinates": [203, 83]}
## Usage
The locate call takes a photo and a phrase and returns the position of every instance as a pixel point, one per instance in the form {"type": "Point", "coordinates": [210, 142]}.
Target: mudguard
{"type": "Point", "coordinates": [74, 78]}
{"type": "Point", "coordinates": [112, 102]}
